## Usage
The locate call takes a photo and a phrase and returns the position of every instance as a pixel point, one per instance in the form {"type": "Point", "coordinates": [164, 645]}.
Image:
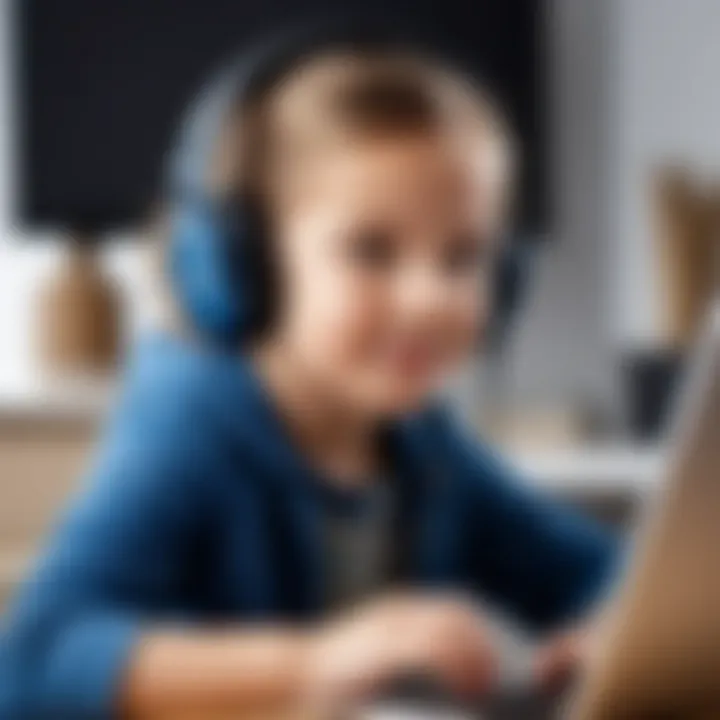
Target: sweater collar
{"type": "Point", "coordinates": [238, 406]}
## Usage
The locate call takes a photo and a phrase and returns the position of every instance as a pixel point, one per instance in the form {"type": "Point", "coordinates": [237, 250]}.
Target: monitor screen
{"type": "Point", "coordinates": [102, 85]}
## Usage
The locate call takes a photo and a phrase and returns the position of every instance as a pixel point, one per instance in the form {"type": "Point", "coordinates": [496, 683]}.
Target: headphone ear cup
{"type": "Point", "coordinates": [512, 280]}
{"type": "Point", "coordinates": [204, 272]}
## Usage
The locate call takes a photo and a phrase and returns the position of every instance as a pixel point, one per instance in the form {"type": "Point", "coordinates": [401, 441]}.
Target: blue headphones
{"type": "Point", "coordinates": [218, 270]}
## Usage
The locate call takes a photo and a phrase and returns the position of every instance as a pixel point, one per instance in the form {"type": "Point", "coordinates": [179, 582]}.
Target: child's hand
{"type": "Point", "coordinates": [560, 659]}
{"type": "Point", "coordinates": [390, 639]}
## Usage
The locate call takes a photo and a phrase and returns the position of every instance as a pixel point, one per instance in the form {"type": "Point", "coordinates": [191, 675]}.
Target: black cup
{"type": "Point", "coordinates": [650, 380]}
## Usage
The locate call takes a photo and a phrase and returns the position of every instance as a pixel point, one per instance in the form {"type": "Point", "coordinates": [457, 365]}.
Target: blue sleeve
{"type": "Point", "coordinates": [545, 563]}
{"type": "Point", "coordinates": [115, 559]}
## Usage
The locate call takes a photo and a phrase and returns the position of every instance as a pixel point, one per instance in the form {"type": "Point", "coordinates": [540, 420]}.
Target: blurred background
{"type": "Point", "coordinates": [618, 111]}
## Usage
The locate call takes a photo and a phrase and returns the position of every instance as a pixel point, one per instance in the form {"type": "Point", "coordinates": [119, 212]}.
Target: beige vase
{"type": "Point", "coordinates": [687, 224]}
{"type": "Point", "coordinates": [79, 318]}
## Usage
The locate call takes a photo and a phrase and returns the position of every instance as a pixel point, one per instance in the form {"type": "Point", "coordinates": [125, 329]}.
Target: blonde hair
{"type": "Point", "coordinates": [337, 97]}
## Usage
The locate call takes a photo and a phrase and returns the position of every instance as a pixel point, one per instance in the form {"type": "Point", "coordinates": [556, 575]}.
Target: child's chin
{"type": "Point", "coordinates": [401, 400]}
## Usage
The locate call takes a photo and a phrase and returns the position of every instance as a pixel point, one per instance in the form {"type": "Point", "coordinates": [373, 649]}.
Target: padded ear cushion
{"type": "Point", "coordinates": [512, 279]}
{"type": "Point", "coordinates": [204, 266]}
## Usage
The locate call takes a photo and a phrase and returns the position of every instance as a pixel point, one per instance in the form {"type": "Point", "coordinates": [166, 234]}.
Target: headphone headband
{"type": "Point", "coordinates": [251, 74]}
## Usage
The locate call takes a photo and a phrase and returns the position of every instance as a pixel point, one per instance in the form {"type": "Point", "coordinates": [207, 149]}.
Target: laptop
{"type": "Point", "coordinates": [658, 651]}
{"type": "Point", "coordinates": [659, 654]}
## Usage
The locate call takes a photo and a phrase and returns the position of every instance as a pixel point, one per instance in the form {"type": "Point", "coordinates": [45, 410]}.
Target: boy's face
{"type": "Point", "coordinates": [386, 252]}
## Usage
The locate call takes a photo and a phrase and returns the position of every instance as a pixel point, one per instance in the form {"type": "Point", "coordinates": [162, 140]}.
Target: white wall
{"type": "Point", "coordinates": [636, 85]}
{"type": "Point", "coordinates": [563, 347]}
{"type": "Point", "coordinates": [665, 65]}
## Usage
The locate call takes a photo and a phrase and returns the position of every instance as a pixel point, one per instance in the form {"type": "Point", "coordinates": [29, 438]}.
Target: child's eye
{"type": "Point", "coordinates": [373, 249]}
{"type": "Point", "coordinates": [464, 254]}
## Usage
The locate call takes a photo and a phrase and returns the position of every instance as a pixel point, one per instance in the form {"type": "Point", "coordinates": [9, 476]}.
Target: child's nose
{"type": "Point", "coordinates": [422, 291]}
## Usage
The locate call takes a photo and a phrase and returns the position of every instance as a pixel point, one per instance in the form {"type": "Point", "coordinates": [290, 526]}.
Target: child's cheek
{"type": "Point", "coordinates": [357, 316]}
{"type": "Point", "coordinates": [334, 315]}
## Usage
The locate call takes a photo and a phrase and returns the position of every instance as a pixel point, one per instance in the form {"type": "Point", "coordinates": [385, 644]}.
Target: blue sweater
{"type": "Point", "coordinates": [199, 508]}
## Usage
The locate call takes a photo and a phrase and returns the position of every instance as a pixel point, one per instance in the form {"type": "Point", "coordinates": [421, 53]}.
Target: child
{"type": "Point", "coordinates": [295, 519]}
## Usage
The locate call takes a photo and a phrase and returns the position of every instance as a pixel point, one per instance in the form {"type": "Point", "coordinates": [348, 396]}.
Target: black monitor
{"type": "Point", "coordinates": [101, 86]}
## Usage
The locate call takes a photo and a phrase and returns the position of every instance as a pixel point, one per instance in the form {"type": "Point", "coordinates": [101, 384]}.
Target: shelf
{"type": "Point", "coordinates": [613, 468]}
{"type": "Point", "coordinates": [71, 402]}
{"type": "Point", "coordinates": [608, 469]}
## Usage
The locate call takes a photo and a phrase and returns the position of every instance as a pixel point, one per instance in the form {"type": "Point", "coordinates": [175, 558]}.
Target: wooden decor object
{"type": "Point", "coordinates": [687, 222]}
{"type": "Point", "coordinates": [79, 317]}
